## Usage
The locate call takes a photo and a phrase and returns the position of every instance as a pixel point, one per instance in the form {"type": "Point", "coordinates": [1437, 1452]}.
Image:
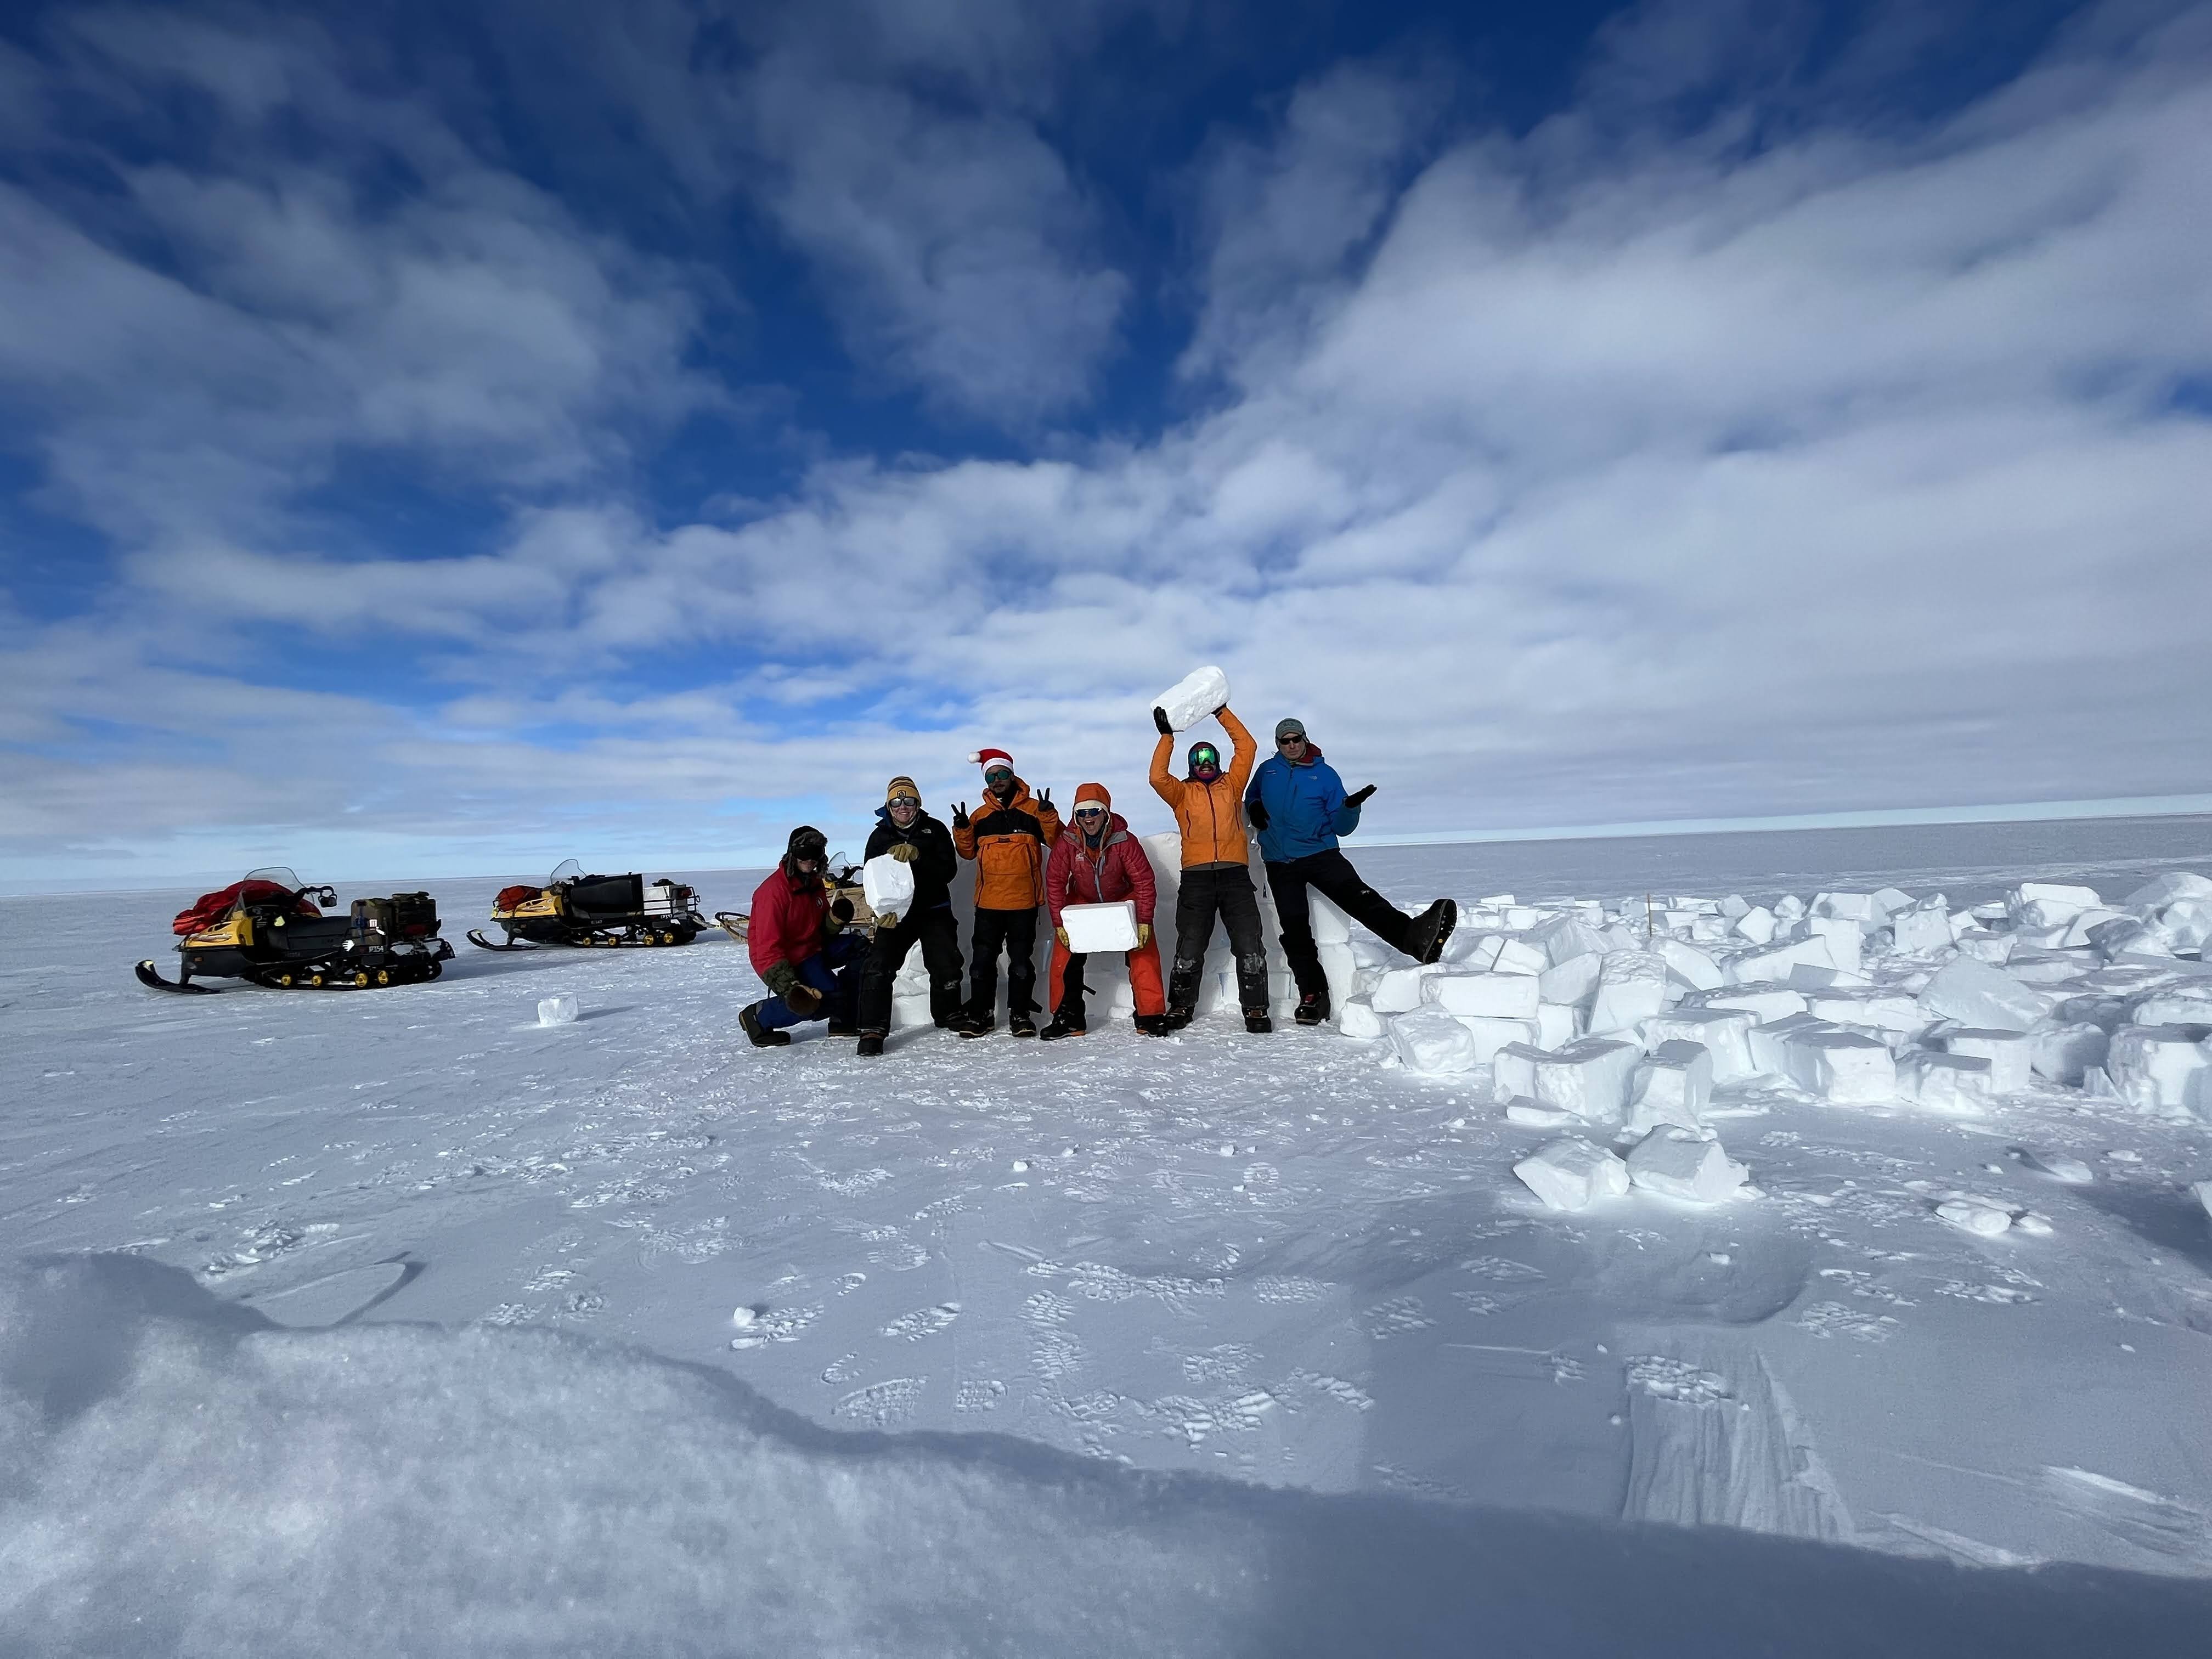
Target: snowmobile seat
{"type": "Point", "coordinates": [607, 896]}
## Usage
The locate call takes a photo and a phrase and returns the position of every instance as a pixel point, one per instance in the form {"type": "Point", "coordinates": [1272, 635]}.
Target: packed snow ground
{"type": "Point", "coordinates": [416, 1324]}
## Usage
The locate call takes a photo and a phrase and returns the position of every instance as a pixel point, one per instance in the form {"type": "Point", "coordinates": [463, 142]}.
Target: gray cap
{"type": "Point", "coordinates": [1288, 728]}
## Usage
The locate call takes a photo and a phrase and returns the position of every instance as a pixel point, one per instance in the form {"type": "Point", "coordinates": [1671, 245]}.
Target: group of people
{"type": "Point", "coordinates": [1026, 858]}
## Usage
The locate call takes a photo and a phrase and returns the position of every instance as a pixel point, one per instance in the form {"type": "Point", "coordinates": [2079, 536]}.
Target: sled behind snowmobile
{"type": "Point", "coordinates": [269, 929]}
{"type": "Point", "coordinates": [841, 884]}
{"type": "Point", "coordinates": [573, 908]}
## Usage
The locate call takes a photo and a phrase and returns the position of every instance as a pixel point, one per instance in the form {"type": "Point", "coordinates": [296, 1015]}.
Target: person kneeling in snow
{"type": "Point", "coordinates": [1008, 838]}
{"type": "Point", "coordinates": [914, 838]}
{"type": "Point", "coordinates": [1099, 863]}
{"type": "Point", "coordinates": [1297, 804]}
{"type": "Point", "coordinates": [1216, 875]}
{"type": "Point", "coordinates": [797, 946]}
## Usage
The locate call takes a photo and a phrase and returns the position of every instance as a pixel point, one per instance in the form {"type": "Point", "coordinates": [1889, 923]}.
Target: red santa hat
{"type": "Point", "coordinates": [986, 758]}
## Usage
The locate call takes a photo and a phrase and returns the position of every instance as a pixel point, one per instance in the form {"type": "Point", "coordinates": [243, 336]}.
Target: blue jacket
{"type": "Point", "coordinates": [1305, 807]}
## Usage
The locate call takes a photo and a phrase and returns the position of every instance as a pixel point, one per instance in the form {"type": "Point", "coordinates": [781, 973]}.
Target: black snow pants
{"type": "Point", "coordinates": [1223, 890]}
{"type": "Point", "coordinates": [937, 933]}
{"type": "Point", "coordinates": [1333, 874]}
{"type": "Point", "coordinates": [1016, 931]}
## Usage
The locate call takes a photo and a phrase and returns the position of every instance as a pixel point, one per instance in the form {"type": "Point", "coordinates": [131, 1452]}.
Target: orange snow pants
{"type": "Point", "coordinates": [1067, 989]}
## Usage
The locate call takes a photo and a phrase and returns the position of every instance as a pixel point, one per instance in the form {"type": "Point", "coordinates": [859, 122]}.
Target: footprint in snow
{"type": "Point", "coordinates": [923, 1321]}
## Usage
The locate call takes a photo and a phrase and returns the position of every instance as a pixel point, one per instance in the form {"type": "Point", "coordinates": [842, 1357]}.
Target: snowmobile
{"type": "Point", "coordinates": [843, 880]}
{"type": "Point", "coordinates": [269, 929]}
{"type": "Point", "coordinates": [574, 908]}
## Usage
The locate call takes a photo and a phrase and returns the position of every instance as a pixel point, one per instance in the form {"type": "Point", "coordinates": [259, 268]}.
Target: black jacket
{"type": "Point", "coordinates": [934, 866]}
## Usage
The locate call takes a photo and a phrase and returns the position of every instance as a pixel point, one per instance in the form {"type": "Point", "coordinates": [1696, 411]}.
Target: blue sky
{"type": "Point", "coordinates": [449, 437]}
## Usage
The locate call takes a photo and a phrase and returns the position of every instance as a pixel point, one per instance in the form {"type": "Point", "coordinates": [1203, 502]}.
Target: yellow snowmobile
{"type": "Point", "coordinates": [575, 909]}
{"type": "Point", "coordinates": [268, 929]}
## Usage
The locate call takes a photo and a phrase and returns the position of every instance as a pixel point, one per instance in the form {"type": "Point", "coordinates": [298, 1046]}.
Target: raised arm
{"type": "Point", "coordinates": [1166, 784]}
{"type": "Point", "coordinates": [1245, 753]}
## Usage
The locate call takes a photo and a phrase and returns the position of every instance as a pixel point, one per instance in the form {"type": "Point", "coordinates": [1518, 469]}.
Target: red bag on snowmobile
{"type": "Point", "coordinates": [510, 896]}
{"type": "Point", "coordinates": [211, 907]}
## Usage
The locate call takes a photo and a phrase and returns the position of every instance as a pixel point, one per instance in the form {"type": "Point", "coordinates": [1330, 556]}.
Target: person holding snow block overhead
{"type": "Point", "coordinates": [1216, 875]}
{"type": "Point", "coordinates": [1297, 804]}
{"type": "Point", "coordinates": [909, 834]}
{"type": "Point", "coordinates": [1098, 861]}
{"type": "Point", "coordinates": [1008, 838]}
{"type": "Point", "coordinates": [796, 948]}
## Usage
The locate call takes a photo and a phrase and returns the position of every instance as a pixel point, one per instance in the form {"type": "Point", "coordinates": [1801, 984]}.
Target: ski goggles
{"type": "Point", "coordinates": [999, 774]}
{"type": "Point", "coordinates": [1204, 756]}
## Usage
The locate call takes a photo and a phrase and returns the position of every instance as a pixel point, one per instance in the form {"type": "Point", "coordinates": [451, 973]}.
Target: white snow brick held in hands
{"type": "Point", "coordinates": [1591, 1079]}
{"type": "Point", "coordinates": [2065, 1054]}
{"type": "Point", "coordinates": [1958, 1085]}
{"type": "Point", "coordinates": [556, 1010]}
{"type": "Point", "coordinates": [1843, 1067]}
{"type": "Point", "coordinates": [2159, 1068]}
{"type": "Point", "coordinates": [888, 885]}
{"type": "Point", "coordinates": [2010, 1055]}
{"type": "Point", "coordinates": [1357, 1019]}
{"type": "Point", "coordinates": [1572, 1174]}
{"type": "Point", "coordinates": [1676, 1164]}
{"type": "Point", "coordinates": [1400, 990]}
{"type": "Point", "coordinates": [2163, 890]}
{"type": "Point", "coordinates": [1193, 697]}
{"type": "Point", "coordinates": [1693, 967]}
{"type": "Point", "coordinates": [1491, 1034]}
{"type": "Point", "coordinates": [1490, 996]}
{"type": "Point", "coordinates": [1109, 928]}
{"type": "Point", "coordinates": [1631, 987]}
{"type": "Point", "coordinates": [1429, 1040]}
{"type": "Point", "coordinates": [1975, 994]}
{"type": "Point", "coordinates": [1723, 1033]}
{"type": "Point", "coordinates": [1756, 924]}
{"type": "Point", "coordinates": [1673, 1086]}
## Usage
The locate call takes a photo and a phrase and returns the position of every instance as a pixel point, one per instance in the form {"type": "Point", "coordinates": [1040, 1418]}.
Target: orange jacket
{"type": "Point", "coordinates": [1008, 842]}
{"type": "Point", "coordinates": [1210, 815]}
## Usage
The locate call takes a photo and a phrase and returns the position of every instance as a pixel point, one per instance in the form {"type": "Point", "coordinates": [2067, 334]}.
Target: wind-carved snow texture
{"type": "Point", "coordinates": [1273, 1260]}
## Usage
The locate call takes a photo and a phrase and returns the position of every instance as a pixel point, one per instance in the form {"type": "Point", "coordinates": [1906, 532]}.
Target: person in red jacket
{"type": "Point", "coordinates": [797, 946]}
{"type": "Point", "coordinates": [1098, 864]}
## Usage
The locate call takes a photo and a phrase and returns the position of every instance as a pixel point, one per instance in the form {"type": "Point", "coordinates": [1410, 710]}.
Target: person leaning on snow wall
{"type": "Point", "coordinates": [798, 948]}
{"type": "Point", "coordinates": [1008, 839]}
{"type": "Point", "coordinates": [1297, 804]}
{"type": "Point", "coordinates": [1098, 861]}
{"type": "Point", "coordinates": [1216, 875]}
{"type": "Point", "coordinates": [913, 837]}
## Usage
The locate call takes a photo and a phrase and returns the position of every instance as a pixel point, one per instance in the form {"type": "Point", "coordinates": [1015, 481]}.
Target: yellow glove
{"type": "Point", "coordinates": [1144, 934]}
{"type": "Point", "coordinates": [905, 852]}
{"type": "Point", "coordinates": [1060, 934]}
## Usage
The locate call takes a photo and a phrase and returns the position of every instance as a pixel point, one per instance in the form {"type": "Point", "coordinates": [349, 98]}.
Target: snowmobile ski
{"type": "Point", "coordinates": [476, 937]}
{"type": "Point", "coordinates": [150, 977]}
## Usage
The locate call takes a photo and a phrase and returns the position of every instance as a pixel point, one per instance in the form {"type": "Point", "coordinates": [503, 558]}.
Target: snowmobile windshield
{"type": "Point", "coordinates": [566, 870]}
{"type": "Point", "coordinates": [279, 875]}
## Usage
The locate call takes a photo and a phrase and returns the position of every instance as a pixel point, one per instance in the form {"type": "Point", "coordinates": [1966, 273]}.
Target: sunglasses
{"type": "Point", "coordinates": [1295, 736]}
{"type": "Point", "coordinates": [1091, 811]}
{"type": "Point", "coordinates": [998, 775]}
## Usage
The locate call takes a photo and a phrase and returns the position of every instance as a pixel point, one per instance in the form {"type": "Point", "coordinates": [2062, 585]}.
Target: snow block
{"type": "Point", "coordinates": [2065, 1053]}
{"type": "Point", "coordinates": [1357, 1017]}
{"type": "Point", "coordinates": [2187, 923]}
{"type": "Point", "coordinates": [2163, 890]}
{"type": "Point", "coordinates": [1959, 1085]}
{"type": "Point", "coordinates": [1677, 1164]}
{"type": "Point", "coordinates": [556, 1010]}
{"type": "Point", "coordinates": [1859, 908]}
{"type": "Point", "coordinates": [1996, 949]}
{"type": "Point", "coordinates": [1400, 990]}
{"type": "Point", "coordinates": [1108, 928]}
{"type": "Point", "coordinates": [1193, 697]}
{"type": "Point", "coordinates": [1764, 1003]}
{"type": "Point", "coordinates": [1673, 1086]}
{"type": "Point", "coordinates": [2158, 1067]}
{"type": "Point", "coordinates": [1975, 994]}
{"type": "Point", "coordinates": [1488, 996]}
{"type": "Point", "coordinates": [1971, 1215]}
{"type": "Point", "coordinates": [1925, 927]}
{"type": "Point", "coordinates": [1429, 1040]}
{"type": "Point", "coordinates": [1882, 1010]}
{"type": "Point", "coordinates": [1631, 987]}
{"type": "Point", "coordinates": [1770, 1042]}
{"type": "Point", "coordinates": [1846, 940]}
{"type": "Point", "coordinates": [1563, 939]}
{"type": "Point", "coordinates": [1694, 967]}
{"type": "Point", "coordinates": [1530, 1116]}
{"type": "Point", "coordinates": [1558, 1024]}
{"type": "Point", "coordinates": [1573, 982]}
{"type": "Point", "coordinates": [1572, 1174]}
{"type": "Point", "coordinates": [2010, 1055]}
{"type": "Point", "coordinates": [2060, 1167]}
{"type": "Point", "coordinates": [1723, 1033]}
{"type": "Point", "coordinates": [1843, 1067]}
{"type": "Point", "coordinates": [2124, 936]}
{"type": "Point", "coordinates": [2177, 1004]}
{"type": "Point", "coordinates": [887, 885]}
{"type": "Point", "coordinates": [1513, 1070]}
{"type": "Point", "coordinates": [1589, 1078]}
{"type": "Point", "coordinates": [1491, 1034]}
{"type": "Point", "coordinates": [1774, 962]}
{"type": "Point", "coordinates": [2203, 1191]}
{"type": "Point", "coordinates": [1756, 924]}
{"type": "Point", "coordinates": [2048, 904]}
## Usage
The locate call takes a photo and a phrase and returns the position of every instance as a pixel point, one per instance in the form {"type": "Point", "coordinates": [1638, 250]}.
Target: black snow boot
{"type": "Point", "coordinates": [871, 1043]}
{"type": "Point", "coordinates": [763, 1038]}
{"type": "Point", "coordinates": [1256, 1020]}
{"type": "Point", "coordinates": [976, 1025]}
{"type": "Point", "coordinates": [1059, 1028]}
{"type": "Point", "coordinates": [1312, 1009]}
{"type": "Point", "coordinates": [1020, 1025]}
{"type": "Point", "coordinates": [840, 1029]}
{"type": "Point", "coordinates": [1151, 1024]}
{"type": "Point", "coordinates": [1431, 930]}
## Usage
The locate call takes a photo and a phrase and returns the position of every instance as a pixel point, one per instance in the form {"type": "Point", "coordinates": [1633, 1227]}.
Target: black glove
{"type": "Point", "coordinates": [1160, 720]}
{"type": "Point", "coordinates": [1359, 797]}
{"type": "Point", "coordinates": [1256, 811]}
{"type": "Point", "coordinates": [960, 816]}
{"type": "Point", "coordinates": [1045, 801]}
{"type": "Point", "coordinates": [841, 909]}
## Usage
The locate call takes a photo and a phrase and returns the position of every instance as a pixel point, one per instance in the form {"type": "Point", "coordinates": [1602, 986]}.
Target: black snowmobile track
{"type": "Point", "coordinates": [150, 977]}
